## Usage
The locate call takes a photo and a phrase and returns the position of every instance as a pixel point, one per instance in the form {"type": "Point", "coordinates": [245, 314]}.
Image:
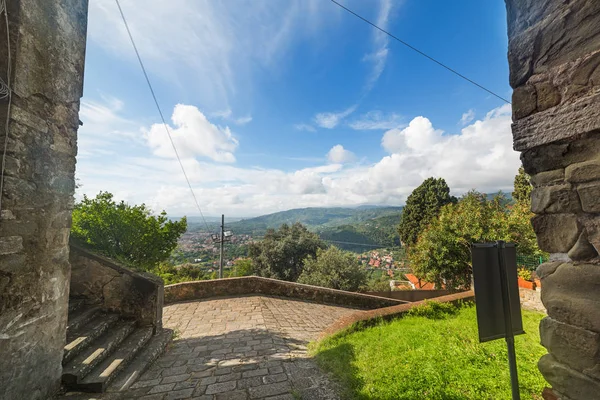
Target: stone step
{"type": "Point", "coordinates": [76, 369]}
{"type": "Point", "coordinates": [142, 361]}
{"type": "Point", "coordinates": [99, 378]}
{"type": "Point", "coordinates": [81, 317]}
{"type": "Point", "coordinates": [79, 339]}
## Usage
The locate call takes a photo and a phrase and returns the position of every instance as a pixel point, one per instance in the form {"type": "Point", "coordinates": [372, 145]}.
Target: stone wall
{"type": "Point", "coordinates": [114, 287]}
{"type": "Point", "coordinates": [47, 48]}
{"type": "Point", "coordinates": [554, 58]}
{"type": "Point", "coordinates": [410, 295]}
{"type": "Point", "coordinates": [187, 291]}
{"type": "Point", "coordinates": [531, 300]}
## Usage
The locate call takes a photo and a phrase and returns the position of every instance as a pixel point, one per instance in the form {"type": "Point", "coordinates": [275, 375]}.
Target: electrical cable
{"type": "Point", "coordinates": [420, 52]}
{"type": "Point", "coordinates": [161, 113]}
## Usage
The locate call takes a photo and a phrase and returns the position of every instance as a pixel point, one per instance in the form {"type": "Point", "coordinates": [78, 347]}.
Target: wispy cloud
{"type": "Point", "coordinates": [305, 127]}
{"type": "Point", "coordinates": [377, 120]}
{"type": "Point", "coordinates": [467, 117]}
{"type": "Point", "coordinates": [339, 155]}
{"type": "Point", "coordinates": [330, 120]}
{"type": "Point", "coordinates": [378, 57]}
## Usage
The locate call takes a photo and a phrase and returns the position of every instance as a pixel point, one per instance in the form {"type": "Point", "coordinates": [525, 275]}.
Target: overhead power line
{"type": "Point", "coordinates": [137, 53]}
{"type": "Point", "coordinates": [420, 52]}
{"type": "Point", "coordinates": [357, 244]}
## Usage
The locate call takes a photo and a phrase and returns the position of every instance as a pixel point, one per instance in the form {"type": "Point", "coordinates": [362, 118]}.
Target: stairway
{"type": "Point", "coordinates": [105, 352]}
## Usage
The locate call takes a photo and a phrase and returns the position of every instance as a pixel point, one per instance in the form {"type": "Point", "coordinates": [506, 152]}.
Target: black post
{"type": "Point", "coordinates": [510, 337]}
{"type": "Point", "coordinates": [221, 242]}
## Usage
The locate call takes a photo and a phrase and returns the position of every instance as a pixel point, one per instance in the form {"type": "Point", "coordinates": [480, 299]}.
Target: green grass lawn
{"type": "Point", "coordinates": [422, 358]}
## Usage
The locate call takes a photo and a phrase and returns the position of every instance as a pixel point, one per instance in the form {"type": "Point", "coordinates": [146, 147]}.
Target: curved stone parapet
{"type": "Point", "coordinates": [198, 290]}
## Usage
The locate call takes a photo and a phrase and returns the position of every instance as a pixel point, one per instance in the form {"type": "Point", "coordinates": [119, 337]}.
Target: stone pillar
{"type": "Point", "coordinates": [47, 49]}
{"type": "Point", "coordinates": [554, 57]}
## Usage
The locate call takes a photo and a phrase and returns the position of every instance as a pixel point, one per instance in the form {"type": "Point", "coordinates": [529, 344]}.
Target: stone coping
{"type": "Point", "coordinates": [388, 313]}
{"type": "Point", "coordinates": [197, 290]}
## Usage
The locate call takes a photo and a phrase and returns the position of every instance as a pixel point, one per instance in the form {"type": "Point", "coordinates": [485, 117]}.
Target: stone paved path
{"type": "Point", "coordinates": [240, 348]}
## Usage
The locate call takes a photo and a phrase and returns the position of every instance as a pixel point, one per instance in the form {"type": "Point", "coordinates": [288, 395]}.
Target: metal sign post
{"type": "Point", "coordinates": [497, 299]}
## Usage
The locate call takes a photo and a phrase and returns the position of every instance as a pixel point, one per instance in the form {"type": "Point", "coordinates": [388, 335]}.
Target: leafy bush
{"type": "Point", "coordinates": [524, 273]}
{"type": "Point", "coordinates": [335, 269]}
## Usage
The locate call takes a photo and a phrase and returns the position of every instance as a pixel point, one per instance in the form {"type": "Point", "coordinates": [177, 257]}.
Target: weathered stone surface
{"type": "Point", "coordinates": [575, 347]}
{"type": "Point", "coordinates": [592, 228]}
{"type": "Point", "coordinates": [589, 193]}
{"type": "Point", "coordinates": [570, 295]}
{"type": "Point", "coordinates": [547, 95]}
{"type": "Point", "coordinates": [116, 288]}
{"type": "Point", "coordinates": [546, 178]}
{"type": "Point", "coordinates": [524, 101]}
{"type": "Point", "coordinates": [547, 268]}
{"type": "Point", "coordinates": [583, 172]}
{"type": "Point", "coordinates": [47, 49]}
{"type": "Point", "coordinates": [566, 380]}
{"type": "Point", "coordinates": [583, 249]}
{"type": "Point", "coordinates": [554, 199]}
{"type": "Point", "coordinates": [556, 233]}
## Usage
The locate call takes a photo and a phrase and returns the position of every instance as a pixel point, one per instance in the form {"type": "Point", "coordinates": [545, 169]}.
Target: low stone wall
{"type": "Point", "coordinates": [102, 281]}
{"type": "Point", "coordinates": [410, 295]}
{"type": "Point", "coordinates": [187, 291]}
{"type": "Point", "coordinates": [531, 300]}
{"type": "Point", "coordinates": [388, 313]}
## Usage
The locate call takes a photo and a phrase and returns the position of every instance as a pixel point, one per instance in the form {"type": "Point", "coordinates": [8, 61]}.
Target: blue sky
{"type": "Point", "coordinates": [281, 104]}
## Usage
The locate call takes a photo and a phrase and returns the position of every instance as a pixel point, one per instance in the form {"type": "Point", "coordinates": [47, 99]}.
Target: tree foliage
{"type": "Point", "coordinates": [282, 252]}
{"type": "Point", "coordinates": [335, 269]}
{"type": "Point", "coordinates": [443, 252]}
{"type": "Point", "coordinates": [422, 206]}
{"type": "Point", "coordinates": [522, 187]}
{"type": "Point", "coordinates": [128, 233]}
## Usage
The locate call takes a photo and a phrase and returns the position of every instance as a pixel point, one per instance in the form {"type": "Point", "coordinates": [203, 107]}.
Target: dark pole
{"type": "Point", "coordinates": [221, 242]}
{"type": "Point", "coordinates": [510, 337]}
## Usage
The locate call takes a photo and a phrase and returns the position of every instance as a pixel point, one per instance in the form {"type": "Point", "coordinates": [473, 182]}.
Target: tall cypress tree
{"type": "Point", "coordinates": [422, 206]}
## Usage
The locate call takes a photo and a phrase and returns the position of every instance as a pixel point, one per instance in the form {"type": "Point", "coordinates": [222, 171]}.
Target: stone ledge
{"type": "Point", "coordinates": [197, 290]}
{"type": "Point", "coordinates": [388, 313]}
{"type": "Point", "coordinates": [101, 280]}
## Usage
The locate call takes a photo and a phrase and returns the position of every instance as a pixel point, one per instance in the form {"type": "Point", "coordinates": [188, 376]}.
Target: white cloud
{"type": "Point", "coordinates": [467, 117]}
{"type": "Point", "coordinates": [377, 120]}
{"type": "Point", "coordinates": [339, 155]}
{"type": "Point", "coordinates": [330, 120]}
{"type": "Point", "coordinates": [193, 135]}
{"type": "Point", "coordinates": [305, 127]}
{"type": "Point", "coordinates": [211, 46]}
{"type": "Point", "coordinates": [479, 156]}
{"type": "Point", "coordinates": [243, 120]}
{"type": "Point", "coordinates": [380, 41]}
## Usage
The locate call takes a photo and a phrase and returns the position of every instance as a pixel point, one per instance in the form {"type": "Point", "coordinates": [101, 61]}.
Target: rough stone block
{"type": "Point", "coordinates": [554, 199]}
{"type": "Point", "coordinates": [573, 346]}
{"type": "Point", "coordinates": [556, 233]}
{"type": "Point", "coordinates": [583, 172]}
{"type": "Point", "coordinates": [524, 100]}
{"type": "Point", "coordinates": [547, 178]}
{"type": "Point", "coordinates": [570, 295]}
{"type": "Point", "coordinates": [566, 380]}
{"type": "Point", "coordinates": [592, 228]}
{"type": "Point", "coordinates": [590, 197]}
{"type": "Point", "coordinates": [547, 95]}
{"type": "Point", "coordinates": [547, 268]}
{"type": "Point", "coordinates": [583, 249]}
{"type": "Point", "coordinates": [11, 244]}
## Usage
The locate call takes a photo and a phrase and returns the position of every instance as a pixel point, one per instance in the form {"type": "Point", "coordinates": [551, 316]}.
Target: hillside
{"type": "Point", "coordinates": [377, 232]}
{"type": "Point", "coordinates": [316, 219]}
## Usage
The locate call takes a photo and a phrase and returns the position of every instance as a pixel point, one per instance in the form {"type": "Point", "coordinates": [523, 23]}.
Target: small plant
{"type": "Point", "coordinates": [524, 274]}
{"type": "Point", "coordinates": [433, 310]}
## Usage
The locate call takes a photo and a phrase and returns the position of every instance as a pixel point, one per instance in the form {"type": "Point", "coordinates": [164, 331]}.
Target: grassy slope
{"type": "Point", "coordinates": [420, 358]}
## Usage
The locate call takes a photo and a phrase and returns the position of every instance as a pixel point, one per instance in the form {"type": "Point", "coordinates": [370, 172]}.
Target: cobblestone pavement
{"type": "Point", "coordinates": [240, 348]}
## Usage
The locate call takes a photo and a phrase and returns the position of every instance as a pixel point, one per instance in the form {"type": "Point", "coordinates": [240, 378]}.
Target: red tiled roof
{"type": "Point", "coordinates": [419, 283]}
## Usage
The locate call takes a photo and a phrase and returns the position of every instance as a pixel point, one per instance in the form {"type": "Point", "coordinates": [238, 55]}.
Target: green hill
{"type": "Point", "coordinates": [316, 219]}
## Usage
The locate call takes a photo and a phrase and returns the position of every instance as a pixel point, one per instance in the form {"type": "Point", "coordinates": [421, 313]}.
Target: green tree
{"type": "Point", "coordinates": [282, 252]}
{"type": "Point", "coordinates": [335, 269]}
{"type": "Point", "coordinates": [127, 233]}
{"type": "Point", "coordinates": [422, 206]}
{"type": "Point", "coordinates": [242, 267]}
{"type": "Point", "coordinates": [443, 252]}
{"type": "Point", "coordinates": [522, 187]}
